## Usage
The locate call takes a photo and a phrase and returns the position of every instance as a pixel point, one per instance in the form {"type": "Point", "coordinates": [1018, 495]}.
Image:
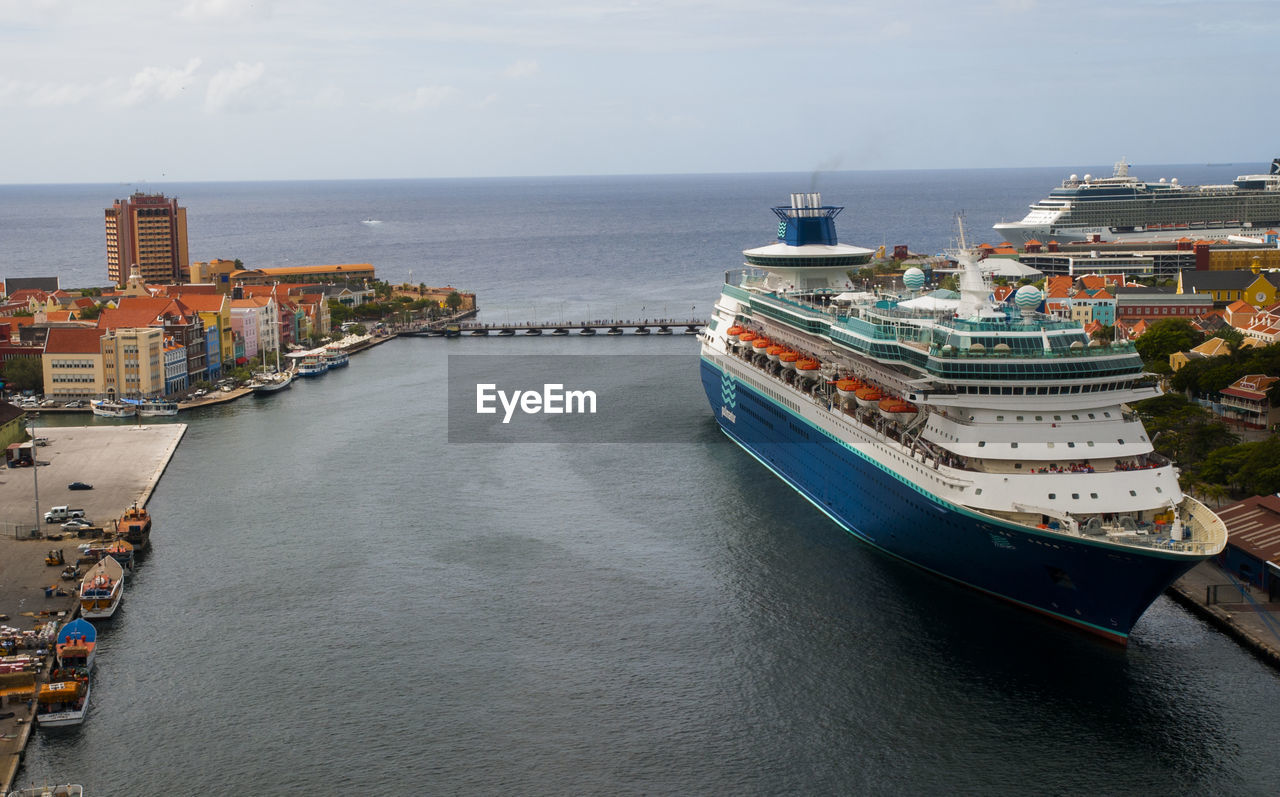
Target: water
{"type": "Point", "coordinates": [339, 598]}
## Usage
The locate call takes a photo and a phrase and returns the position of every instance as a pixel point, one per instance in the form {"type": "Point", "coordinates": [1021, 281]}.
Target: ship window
{"type": "Point", "coordinates": [1017, 466]}
{"type": "Point", "coordinates": [981, 443]}
{"type": "Point", "coordinates": [1091, 416]}
{"type": "Point", "coordinates": [1019, 417]}
{"type": "Point", "coordinates": [1053, 496]}
{"type": "Point", "coordinates": [1093, 495]}
{"type": "Point", "coordinates": [1057, 417]}
{"type": "Point", "coordinates": [999, 417]}
{"type": "Point", "coordinates": [1013, 445]}
{"type": "Point", "coordinates": [1120, 440]}
{"type": "Point", "coordinates": [1039, 417]}
{"type": "Point", "coordinates": [1106, 415]}
{"type": "Point", "coordinates": [1071, 444]}
{"type": "Point", "coordinates": [1131, 492]}
{"type": "Point", "coordinates": [1075, 417]}
{"type": "Point", "coordinates": [1090, 444]}
{"type": "Point", "coordinates": [978, 491]}
{"type": "Point", "coordinates": [1159, 490]}
{"type": "Point", "coordinates": [1075, 496]}
{"type": "Point", "coordinates": [1050, 444]}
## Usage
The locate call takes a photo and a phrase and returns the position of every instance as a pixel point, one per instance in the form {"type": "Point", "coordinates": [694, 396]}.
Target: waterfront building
{"type": "Point", "coordinates": [14, 284]}
{"type": "Point", "coordinates": [216, 273]}
{"type": "Point", "coordinates": [173, 317]}
{"type": "Point", "coordinates": [257, 320]}
{"type": "Point", "coordinates": [345, 272]}
{"type": "Point", "coordinates": [133, 361]}
{"type": "Point", "coordinates": [214, 310]}
{"type": "Point", "coordinates": [175, 368]}
{"type": "Point", "coordinates": [149, 231]}
{"type": "Point", "coordinates": [73, 364]}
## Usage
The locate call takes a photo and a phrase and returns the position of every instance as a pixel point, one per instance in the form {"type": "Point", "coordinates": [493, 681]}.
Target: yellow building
{"type": "Point", "coordinates": [133, 362]}
{"type": "Point", "coordinates": [73, 363]}
{"type": "Point", "coordinates": [214, 310]}
{"type": "Point", "coordinates": [346, 272]}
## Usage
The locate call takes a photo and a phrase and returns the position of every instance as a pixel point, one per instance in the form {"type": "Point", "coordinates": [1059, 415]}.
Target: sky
{"type": "Point", "coordinates": [186, 90]}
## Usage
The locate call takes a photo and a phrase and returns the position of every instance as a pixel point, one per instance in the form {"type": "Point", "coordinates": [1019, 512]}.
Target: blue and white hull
{"type": "Point", "coordinates": [1098, 586]}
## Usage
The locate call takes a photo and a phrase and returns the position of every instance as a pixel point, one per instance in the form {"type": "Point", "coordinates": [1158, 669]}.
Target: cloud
{"type": "Point", "coordinates": [521, 69]}
{"type": "Point", "coordinates": [158, 81]}
{"type": "Point", "coordinates": [230, 88]}
{"type": "Point", "coordinates": [420, 98]}
{"type": "Point", "coordinates": [54, 95]}
{"type": "Point", "coordinates": [232, 10]}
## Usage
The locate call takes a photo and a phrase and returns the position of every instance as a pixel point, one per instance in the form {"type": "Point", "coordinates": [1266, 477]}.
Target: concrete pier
{"type": "Point", "coordinates": [124, 464]}
{"type": "Point", "coordinates": [1239, 610]}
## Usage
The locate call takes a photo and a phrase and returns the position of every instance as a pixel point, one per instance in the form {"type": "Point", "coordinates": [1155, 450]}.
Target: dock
{"type": "Point", "coordinates": [1239, 610]}
{"type": "Point", "coordinates": [124, 464]}
{"type": "Point", "coordinates": [438, 329]}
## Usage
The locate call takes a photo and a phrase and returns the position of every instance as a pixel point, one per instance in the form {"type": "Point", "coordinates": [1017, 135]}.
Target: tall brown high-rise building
{"type": "Point", "coordinates": [149, 231]}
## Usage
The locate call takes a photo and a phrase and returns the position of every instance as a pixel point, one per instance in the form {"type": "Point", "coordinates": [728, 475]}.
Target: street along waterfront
{"type": "Point", "coordinates": [341, 597]}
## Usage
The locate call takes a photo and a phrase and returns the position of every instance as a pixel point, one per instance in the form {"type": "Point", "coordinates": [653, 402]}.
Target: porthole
{"type": "Point", "coordinates": [1133, 493]}
{"type": "Point", "coordinates": [1090, 444]}
{"type": "Point", "coordinates": [1039, 417]}
{"type": "Point", "coordinates": [1075, 417]}
{"type": "Point", "coordinates": [1093, 495]}
{"type": "Point", "coordinates": [1071, 444]}
{"type": "Point", "coordinates": [1120, 440]}
{"type": "Point", "coordinates": [1075, 496]}
{"type": "Point", "coordinates": [1013, 445]}
{"type": "Point", "coordinates": [1053, 496]}
{"type": "Point", "coordinates": [1159, 490]}
{"type": "Point", "coordinates": [982, 443]}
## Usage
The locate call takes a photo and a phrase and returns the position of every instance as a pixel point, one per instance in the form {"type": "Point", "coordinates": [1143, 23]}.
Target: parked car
{"type": "Point", "coordinates": [79, 486]}
{"type": "Point", "coordinates": [76, 404]}
{"type": "Point", "coordinates": [76, 524]}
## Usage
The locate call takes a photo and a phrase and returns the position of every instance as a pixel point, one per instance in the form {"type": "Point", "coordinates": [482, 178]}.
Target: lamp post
{"type": "Point", "coordinates": [35, 468]}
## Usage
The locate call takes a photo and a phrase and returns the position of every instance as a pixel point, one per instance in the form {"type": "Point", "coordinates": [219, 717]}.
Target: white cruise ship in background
{"type": "Point", "coordinates": [1123, 208]}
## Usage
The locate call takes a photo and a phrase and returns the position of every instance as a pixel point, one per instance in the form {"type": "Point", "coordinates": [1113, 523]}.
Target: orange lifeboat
{"type": "Point", "coordinates": [867, 396]}
{"type": "Point", "coordinates": [761, 344]}
{"type": "Point", "coordinates": [896, 409]}
{"type": "Point", "coordinates": [789, 359]}
{"type": "Point", "coordinates": [733, 332]}
{"type": "Point", "coordinates": [774, 352]}
{"type": "Point", "coordinates": [847, 387]}
{"type": "Point", "coordinates": [807, 368]}
{"type": "Point", "coordinates": [747, 337]}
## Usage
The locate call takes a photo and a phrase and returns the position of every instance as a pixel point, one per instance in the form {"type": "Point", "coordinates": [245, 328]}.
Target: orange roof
{"type": "Point", "coordinates": [204, 302]}
{"type": "Point", "coordinates": [142, 311]}
{"type": "Point", "coordinates": [1093, 281]}
{"type": "Point", "coordinates": [1033, 242]}
{"type": "Point", "coordinates": [73, 340]}
{"type": "Point", "coordinates": [58, 315]}
{"type": "Point", "coordinates": [1102, 294]}
{"type": "Point", "coordinates": [317, 269]}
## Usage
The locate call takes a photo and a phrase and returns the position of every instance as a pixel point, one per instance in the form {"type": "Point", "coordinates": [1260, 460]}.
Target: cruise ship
{"type": "Point", "coordinates": [1123, 208]}
{"type": "Point", "coordinates": [989, 444]}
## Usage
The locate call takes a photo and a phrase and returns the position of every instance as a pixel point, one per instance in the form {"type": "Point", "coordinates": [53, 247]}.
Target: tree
{"type": "Point", "coordinates": [90, 313]}
{"type": "Point", "coordinates": [453, 301]}
{"type": "Point", "coordinates": [1104, 334]}
{"type": "Point", "coordinates": [25, 373]}
{"type": "Point", "coordinates": [1165, 337]}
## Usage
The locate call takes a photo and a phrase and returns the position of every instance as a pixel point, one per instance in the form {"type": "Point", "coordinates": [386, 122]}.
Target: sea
{"type": "Point", "coordinates": [343, 598]}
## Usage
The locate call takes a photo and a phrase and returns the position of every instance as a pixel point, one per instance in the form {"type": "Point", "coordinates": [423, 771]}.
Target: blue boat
{"type": "Point", "coordinates": [77, 641]}
{"type": "Point", "coordinates": [988, 444]}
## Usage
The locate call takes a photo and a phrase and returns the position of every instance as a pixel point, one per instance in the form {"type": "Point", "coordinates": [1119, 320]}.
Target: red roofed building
{"type": "Point", "coordinates": [1246, 403]}
{"type": "Point", "coordinates": [174, 317]}
{"type": "Point", "coordinates": [73, 363]}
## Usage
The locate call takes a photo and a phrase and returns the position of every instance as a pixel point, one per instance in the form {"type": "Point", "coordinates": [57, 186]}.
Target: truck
{"type": "Point", "coordinates": [60, 513]}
